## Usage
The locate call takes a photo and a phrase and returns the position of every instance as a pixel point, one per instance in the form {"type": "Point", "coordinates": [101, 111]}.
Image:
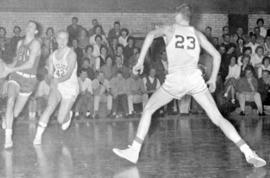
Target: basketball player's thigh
{"type": "Point", "coordinates": [54, 98]}
{"type": "Point", "coordinates": [13, 89]}
{"type": "Point", "coordinates": [158, 99]}
{"type": "Point", "coordinates": [21, 100]}
{"type": "Point", "coordinates": [207, 102]}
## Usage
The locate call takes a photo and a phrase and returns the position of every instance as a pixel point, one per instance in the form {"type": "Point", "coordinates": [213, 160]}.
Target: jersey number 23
{"type": "Point", "coordinates": [185, 42]}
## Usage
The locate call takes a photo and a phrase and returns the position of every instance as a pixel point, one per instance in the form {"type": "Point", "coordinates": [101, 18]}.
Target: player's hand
{"type": "Point", "coordinates": [211, 85]}
{"type": "Point", "coordinates": [138, 69]}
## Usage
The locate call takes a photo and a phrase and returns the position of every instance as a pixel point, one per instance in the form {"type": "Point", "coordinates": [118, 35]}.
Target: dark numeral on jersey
{"type": "Point", "coordinates": [182, 42]}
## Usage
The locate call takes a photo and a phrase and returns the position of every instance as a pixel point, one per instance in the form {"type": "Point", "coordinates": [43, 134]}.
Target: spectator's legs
{"type": "Point", "coordinates": [78, 105]}
{"type": "Point", "coordinates": [130, 104]}
{"type": "Point", "coordinates": [144, 99]}
{"type": "Point", "coordinates": [258, 101]}
{"type": "Point", "coordinates": [233, 93]}
{"type": "Point", "coordinates": [96, 104]}
{"type": "Point", "coordinates": [89, 103]}
{"type": "Point", "coordinates": [124, 103]}
{"type": "Point", "coordinates": [242, 101]}
{"type": "Point", "coordinates": [109, 103]}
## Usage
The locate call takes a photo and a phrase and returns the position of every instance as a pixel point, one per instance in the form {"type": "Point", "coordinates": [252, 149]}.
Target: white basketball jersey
{"type": "Point", "coordinates": [183, 50]}
{"type": "Point", "coordinates": [61, 67]}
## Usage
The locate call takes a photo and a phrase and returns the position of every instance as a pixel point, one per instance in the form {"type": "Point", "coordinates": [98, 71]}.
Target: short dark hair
{"type": "Point", "coordinates": [185, 10]}
{"type": "Point", "coordinates": [116, 23]}
{"type": "Point", "coordinates": [18, 27]}
{"type": "Point", "coordinates": [83, 70]}
{"type": "Point", "coordinates": [259, 47]}
{"type": "Point", "coordinates": [49, 28]}
{"type": "Point", "coordinates": [125, 29]}
{"type": "Point", "coordinates": [210, 28]}
{"type": "Point", "coordinates": [103, 46]}
{"type": "Point", "coordinates": [223, 28]}
{"type": "Point", "coordinates": [3, 28]}
{"type": "Point", "coordinates": [267, 71]}
{"type": "Point", "coordinates": [131, 38]}
{"type": "Point", "coordinates": [265, 58]}
{"type": "Point", "coordinates": [38, 28]}
{"type": "Point", "coordinates": [98, 36]}
{"type": "Point", "coordinates": [260, 20]}
{"type": "Point", "coordinates": [75, 18]}
{"type": "Point", "coordinates": [246, 48]}
{"type": "Point", "coordinates": [87, 47]}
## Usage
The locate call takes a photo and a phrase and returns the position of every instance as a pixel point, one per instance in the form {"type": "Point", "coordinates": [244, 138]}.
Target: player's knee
{"type": "Point", "coordinates": [148, 109]}
{"type": "Point", "coordinates": [11, 102]}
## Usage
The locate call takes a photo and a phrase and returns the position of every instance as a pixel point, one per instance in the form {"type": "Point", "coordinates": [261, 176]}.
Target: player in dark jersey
{"type": "Point", "coordinates": [183, 48]}
{"type": "Point", "coordinates": [22, 78]}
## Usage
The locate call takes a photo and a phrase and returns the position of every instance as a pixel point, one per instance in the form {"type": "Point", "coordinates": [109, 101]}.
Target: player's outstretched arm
{"type": "Point", "coordinates": [213, 52]}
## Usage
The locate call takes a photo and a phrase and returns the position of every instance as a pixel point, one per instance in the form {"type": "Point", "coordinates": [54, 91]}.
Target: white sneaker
{"type": "Point", "coordinates": [129, 154]}
{"type": "Point", "coordinates": [37, 141]}
{"type": "Point", "coordinates": [255, 160]}
{"type": "Point", "coordinates": [66, 125]}
{"type": "Point", "coordinates": [87, 114]}
{"type": "Point", "coordinates": [8, 144]}
{"type": "Point", "coordinates": [77, 114]}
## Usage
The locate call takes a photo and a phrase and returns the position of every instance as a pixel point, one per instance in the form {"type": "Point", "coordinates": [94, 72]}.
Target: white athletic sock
{"type": "Point", "coordinates": [246, 149]}
{"type": "Point", "coordinates": [8, 135]}
{"type": "Point", "coordinates": [137, 144]}
{"type": "Point", "coordinates": [40, 130]}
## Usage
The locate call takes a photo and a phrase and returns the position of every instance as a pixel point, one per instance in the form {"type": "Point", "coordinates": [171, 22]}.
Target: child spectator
{"type": "Point", "coordinates": [85, 99]}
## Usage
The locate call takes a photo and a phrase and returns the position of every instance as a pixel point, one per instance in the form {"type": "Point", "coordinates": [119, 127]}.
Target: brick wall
{"type": "Point", "coordinates": [138, 23]}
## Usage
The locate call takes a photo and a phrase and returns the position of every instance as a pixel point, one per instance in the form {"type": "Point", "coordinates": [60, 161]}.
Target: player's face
{"type": "Point", "coordinates": [62, 40]}
{"type": "Point", "coordinates": [179, 18]}
{"type": "Point", "coordinates": [31, 28]}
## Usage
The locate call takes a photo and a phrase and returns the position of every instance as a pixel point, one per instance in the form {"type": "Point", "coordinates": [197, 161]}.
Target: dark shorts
{"type": "Point", "coordinates": [27, 85]}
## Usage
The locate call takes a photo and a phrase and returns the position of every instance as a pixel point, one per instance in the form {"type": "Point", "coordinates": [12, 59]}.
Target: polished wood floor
{"type": "Point", "coordinates": [177, 147]}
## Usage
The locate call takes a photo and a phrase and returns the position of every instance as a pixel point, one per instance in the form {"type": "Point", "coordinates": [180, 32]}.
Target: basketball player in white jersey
{"type": "Point", "coordinates": [64, 86]}
{"type": "Point", "coordinates": [183, 48]}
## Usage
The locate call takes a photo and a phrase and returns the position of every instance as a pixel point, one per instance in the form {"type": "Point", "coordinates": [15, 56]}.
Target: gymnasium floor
{"type": "Point", "coordinates": [177, 147]}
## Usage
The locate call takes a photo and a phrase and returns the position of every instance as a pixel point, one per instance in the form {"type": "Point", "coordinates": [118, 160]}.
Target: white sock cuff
{"type": "Point", "coordinates": [42, 124]}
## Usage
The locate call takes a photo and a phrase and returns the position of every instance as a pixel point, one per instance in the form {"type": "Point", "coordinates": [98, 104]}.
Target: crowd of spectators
{"type": "Point", "coordinates": [105, 62]}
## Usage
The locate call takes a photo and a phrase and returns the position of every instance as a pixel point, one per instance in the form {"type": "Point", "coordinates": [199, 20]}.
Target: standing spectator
{"type": "Point", "coordinates": [98, 32]}
{"type": "Point", "coordinates": [113, 47]}
{"type": "Point", "coordinates": [78, 51]}
{"type": "Point", "coordinates": [208, 33]}
{"type": "Point", "coordinates": [225, 31]}
{"type": "Point", "coordinates": [231, 79]}
{"type": "Point", "coordinates": [123, 37]}
{"type": "Point", "coordinates": [120, 53]}
{"type": "Point", "coordinates": [260, 39]}
{"type": "Point", "coordinates": [97, 45]}
{"type": "Point", "coordinates": [74, 29]}
{"type": "Point", "coordinates": [246, 51]}
{"type": "Point", "coordinates": [119, 93]}
{"type": "Point", "coordinates": [264, 87]}
{"type": "Point", "coordinates": [234, 38]}
{"type": "Point", "coordinates": [240, 45]}
{"type": "Point", "coordinates": [260, 25]}
{"type": "Point", "coordinates": [264, 66]}
{"type": "Point", "coordinates": [91, 73]}
{"type": "Point", "coordinates": [226, 41]}
{"type": "Point", "coordinates": [253, 43]}
{"type": "Point", "coordinates": [128, 50]}
{"type": "Point", "coordinates": [14, 41]}
{"type": "Point", "coordinates": [216, 42]}
{"type": "Point", "coordinates": [240, 33]}
{"type": "Point", "coordinates": [102, 91]}
{"type": "Point", "coordinates": [134, 58]}
{"type": "Point", "coordinates": [245, 64]}
{"type": "Point", "coordinates": [115, 31]}
{"type": "Point", "coordinates": [107, 69]}
{"type": "Point", "coordinates": [85, 99]}
{"type": "Point", "coordinates": [247, 90]}
{"type": "Point", "coordinates": [83, 39]}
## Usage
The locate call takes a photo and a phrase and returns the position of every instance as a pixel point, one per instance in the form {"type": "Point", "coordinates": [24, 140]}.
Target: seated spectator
{"type": "Point", "coordinates": [128, 50]}
{"type": "Point", "coordinates": [253, 43]}
{"type": "Point", "coordinates": [91, 73]}
{"type": "Point", "coordinates": [102, 92]}
{"type": "Point", "coordinates": [119, 93]}
{"type": "Point", "coordinates": [98, 31]}
{"type": "Point", "coordinates": [264, 87]}
{"type": "Point", "coordinates": [92, 30]}
{"type": "Point", "coordinates": [240, 46]}
{"type": "Point", "coordinates": [74, 29]}
{"type": "Point", "coordinates": [245, 64]}
{"type": "Point", "coordinates": [97, 46]}
{"type": "Point", "coordinates": [78, 51]}
{"type": "Point", "coordinates": [14, 41]}
{"type": "Point", "coordinates": [120, 53]}
{"type": "Point", "coordinates": [256, 59]}
{"type": "Point", "coordinates": [267, 45]}
{"type": "Point", "coordinates": [231, 79]}
{"type": "Point", "coordinates": [41, 95]}
{"type": "Point", "coordinates": [49, 41]}
{"type": "Point", "coordinates": [107, 69]}
{"type": "Point", "coordinates": [240, 33]}
{"type": "Point", "coordinates": [264, 66]}
{"type": "Point", "coordinates": [123, 37]}
{"type": "Point", "coordinates": [136, 93]}
{"type": "Point", "coordinates": [94, 61]}
{"type": "Point", "coordinates": [226, 60]}
{"type": "Point", "coordinates": [113, 47]}
{"type": "Point", "coordinates": [260, 25]}
{"type": "Point", "coordinates": [216, 42]}
{"type": "Point", "coordinates": [234, 38]}
{"type": "Point", "coordinates": [115, 31]}
{"type": "Point", "coordinates": [103, 55]}
{"type": "Point", "coordinates": [260, 39]}
{"type": "Point", "coordinates": [247, 90]}
{"type": "Point", "coordinates": [120, 67]}
{"type": "Point", "coordinates": [134, 58]}
{"type": "Point", "coordinates": [226, 41]}
{"type": "Point", "coordinates": [246, 51]}
{"type": "Point", "coordinates": [83, 39]}
{"type": "Point", "coordinates": [85, 99]}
